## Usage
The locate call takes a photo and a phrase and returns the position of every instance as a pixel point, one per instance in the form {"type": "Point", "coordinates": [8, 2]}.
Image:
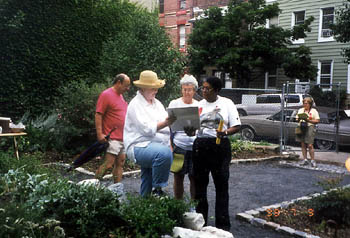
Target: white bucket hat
{"type": "Point", "coordinates": [149, 79]}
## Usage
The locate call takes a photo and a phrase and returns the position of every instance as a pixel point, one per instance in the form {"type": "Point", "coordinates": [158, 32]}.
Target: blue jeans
{"type": "Point", "coordinates": [155, 161]}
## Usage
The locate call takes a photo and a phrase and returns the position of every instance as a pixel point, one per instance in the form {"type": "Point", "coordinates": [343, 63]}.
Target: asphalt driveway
{"type": "Point", "coordinates": [254, 185]}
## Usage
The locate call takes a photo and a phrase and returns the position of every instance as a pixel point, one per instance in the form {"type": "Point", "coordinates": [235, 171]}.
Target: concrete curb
{"type": "Point", "coordinates": [248, 216]}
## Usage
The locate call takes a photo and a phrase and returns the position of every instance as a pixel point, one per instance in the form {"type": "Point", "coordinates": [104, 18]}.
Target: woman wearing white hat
{"type": "Point", "coordinates": [147, 134]}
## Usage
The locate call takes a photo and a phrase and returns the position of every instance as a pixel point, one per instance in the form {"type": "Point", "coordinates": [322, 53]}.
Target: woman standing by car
{"type": "Point", "coordinates": [307, 137]}
{"type": "Point", "coordinates": [212, 157]}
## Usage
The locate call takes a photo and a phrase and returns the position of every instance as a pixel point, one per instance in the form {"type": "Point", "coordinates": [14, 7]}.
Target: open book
{"type": "Point", "coordinates": [303, 116]}
{"type": "Point", "coordinates": [185, 117]}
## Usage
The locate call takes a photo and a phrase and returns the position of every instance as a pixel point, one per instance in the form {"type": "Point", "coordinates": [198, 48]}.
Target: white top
{"type": "Point", "coordinates": [212, 112]}
{"type": "Point", "coordinates": [141, 121]}
{"type": "Point", "coordinates": [182, 140]}
{"type": "Point", "coordinates": [313, 115]}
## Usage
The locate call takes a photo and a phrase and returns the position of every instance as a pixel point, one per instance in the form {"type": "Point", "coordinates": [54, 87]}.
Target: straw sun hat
{"type": "Point", "coordinates": [149, 79]}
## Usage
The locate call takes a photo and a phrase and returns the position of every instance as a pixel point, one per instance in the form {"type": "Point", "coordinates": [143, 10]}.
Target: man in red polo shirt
{"type": "Point", "coordinates": [110, 113]}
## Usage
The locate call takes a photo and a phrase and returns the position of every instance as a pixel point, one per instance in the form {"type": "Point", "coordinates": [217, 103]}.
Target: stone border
{"type": "Point", "coordinates": [248, 216]}
{"type": "Point", "coordinates": [336, 169]}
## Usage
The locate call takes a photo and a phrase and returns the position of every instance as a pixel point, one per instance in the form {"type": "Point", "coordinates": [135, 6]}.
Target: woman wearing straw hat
{"type": "Point", "coordinates": [147, 134]}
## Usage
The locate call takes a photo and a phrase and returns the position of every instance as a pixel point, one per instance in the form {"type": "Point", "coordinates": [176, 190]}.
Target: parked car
{"type": "Point", "coordinates": [268, 103]}
{"type": "Point", "coordinates": [268, 126]}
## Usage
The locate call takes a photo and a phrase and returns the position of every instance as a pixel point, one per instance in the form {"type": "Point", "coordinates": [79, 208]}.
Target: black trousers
{"type": "Point", "coordinates": [208, 157]}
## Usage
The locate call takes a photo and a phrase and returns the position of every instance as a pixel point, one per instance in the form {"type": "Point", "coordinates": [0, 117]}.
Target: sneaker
{"type": "Point", "coordinates": [158, 192]}
{"type": "Point", "coordinates": [313, 163]}
{"type": "Point", "coordinates": [304, 162]}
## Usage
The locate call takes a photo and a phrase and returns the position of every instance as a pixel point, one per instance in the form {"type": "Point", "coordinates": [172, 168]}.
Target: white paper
{"type": "Point", "coordinates": [185, 117]}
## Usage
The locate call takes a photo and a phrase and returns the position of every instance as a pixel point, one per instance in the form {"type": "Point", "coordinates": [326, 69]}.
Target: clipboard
{"type": "Point", "coordinates": [185, 117]}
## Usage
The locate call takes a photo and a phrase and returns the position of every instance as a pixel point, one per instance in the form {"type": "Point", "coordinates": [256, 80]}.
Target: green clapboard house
{"type": "Point", "coordinates": [326, 51]}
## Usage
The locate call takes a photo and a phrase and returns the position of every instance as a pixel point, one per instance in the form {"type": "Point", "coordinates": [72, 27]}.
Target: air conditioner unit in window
{"type": "Point", "coordinates": [327, 33]}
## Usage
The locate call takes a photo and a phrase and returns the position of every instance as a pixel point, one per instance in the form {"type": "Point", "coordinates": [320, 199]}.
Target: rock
{"type": "Point", "coordinates": [180, 232]}
{"type": "Point", "coordinates": [118, 188]}
{"type": "Point", "coordinates": [90, 182]}
{"type": "Point", "coordinates": [194, 221]}
{"type": "Point", "coordinates": [215, 232]}
{"type": "Point", "coordinates": [205, 232]}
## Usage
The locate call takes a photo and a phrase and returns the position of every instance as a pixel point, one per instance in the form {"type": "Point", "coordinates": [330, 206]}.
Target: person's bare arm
{"type": "Point", "coordinates": [98, 125]}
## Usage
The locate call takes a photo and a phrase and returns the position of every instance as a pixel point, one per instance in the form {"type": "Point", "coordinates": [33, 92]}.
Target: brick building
{"type": "Point", "coordinates": [176, 15]}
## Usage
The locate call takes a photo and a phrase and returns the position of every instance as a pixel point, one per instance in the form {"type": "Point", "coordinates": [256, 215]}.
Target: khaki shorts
{"type": "Point", "coordinates": [115, 147]}
{"type": "Point", "coordinates": [308, 137]}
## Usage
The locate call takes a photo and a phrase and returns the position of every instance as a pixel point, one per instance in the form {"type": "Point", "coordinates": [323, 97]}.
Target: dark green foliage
{"type": "Point", "coordinates": [341, 28]}
{"type": "Point", "coordinates": [32, 163]}
{"type": "Point", "coordinates": [239, 43]}
{"type": "Point", "coordinates": [76, 113]}
{"type": "Point", "coordinates": [144, 46]}
{"type": "Point", "coordinates": [153, 217]}
{"type": "Point", "coordinates": [47, 43]}
{"type": "Point", "coordinates": [328, 98]}
{"type": "Point", "coordinates": [83, 211]}
{"type": "Point", "coordinates": [335, 205]}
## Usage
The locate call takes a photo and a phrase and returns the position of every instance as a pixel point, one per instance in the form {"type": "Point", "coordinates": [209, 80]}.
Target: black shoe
{"type": "Point", "coordinates": [158, 192]}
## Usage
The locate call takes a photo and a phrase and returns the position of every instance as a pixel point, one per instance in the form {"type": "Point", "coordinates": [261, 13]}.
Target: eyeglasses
{"type": "Point", "coordinates": [206, 89]}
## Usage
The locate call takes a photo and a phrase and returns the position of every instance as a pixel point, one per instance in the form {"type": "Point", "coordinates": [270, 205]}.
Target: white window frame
{"type": "Point", "coordinates": [320, 37]}
{"type": "Point", "coordinates": [182, 4]}
{"type": "Point", "coordinates": [182, 36]}
{"type": "Point", "coordinates": [300, 40]}
{"type": "Point", "coordinates": [267, 76]}
{"type": "Point", "coordinates": [319, 74]}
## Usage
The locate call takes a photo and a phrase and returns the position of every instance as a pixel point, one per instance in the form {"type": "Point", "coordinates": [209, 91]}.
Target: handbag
{"type": "Point", "coordinates": [301, 128]}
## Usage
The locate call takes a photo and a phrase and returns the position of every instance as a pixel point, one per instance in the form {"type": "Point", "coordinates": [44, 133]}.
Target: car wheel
{"type": "Point", "coordinates": [242, 113]}
{"type": "Point", "coordinates": [324, 144]}
{"type": "Point", "coordinates": [247, 133]}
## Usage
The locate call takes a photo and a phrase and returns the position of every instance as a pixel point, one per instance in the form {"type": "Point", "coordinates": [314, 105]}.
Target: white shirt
{"type": "Point", "coordinates": [212, 112]}
{"type": "Point", "coordinates": [182, 140]}
{"type": "Point", "coordinates": [141, 121]}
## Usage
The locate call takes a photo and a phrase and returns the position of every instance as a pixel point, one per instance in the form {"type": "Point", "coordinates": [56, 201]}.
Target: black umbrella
{"type": "Point", "coordinates": [91, 152]}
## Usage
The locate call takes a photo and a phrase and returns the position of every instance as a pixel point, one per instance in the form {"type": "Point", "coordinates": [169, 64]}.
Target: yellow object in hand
{"type": "Point", "coordinates": [221, 125]}
{"type": "Point", "coordinates": [347, 164]}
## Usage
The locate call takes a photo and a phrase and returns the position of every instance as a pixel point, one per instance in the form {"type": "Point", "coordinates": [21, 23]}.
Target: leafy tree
{"type": "Point", "coordinates": [46, 44]}
{"type": "Point", "coordinates": [341, 28]}
{"type": "Point", "coordinates": [237, 42]}
{"type": "Point", "coordinates": [144, 46]}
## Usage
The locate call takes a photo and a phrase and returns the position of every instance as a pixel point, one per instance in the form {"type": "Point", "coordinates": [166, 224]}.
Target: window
{"type": "Point", "coordinates": [182, 4]}
{"type": "Point", "coordinates": [272, 22]}
{"type": "Point", "coordinates": [271, 78]}
{"type": "Point", "coordinates": [325, 69]}
{"type": "Point", "coordinates": [326, 19]}
{"type": "Point", "coordinates": [298, 18]}
{"type": "Point", "coordinates": [161, 6]}
{"type": "Point", "coordinates": [182, 36]}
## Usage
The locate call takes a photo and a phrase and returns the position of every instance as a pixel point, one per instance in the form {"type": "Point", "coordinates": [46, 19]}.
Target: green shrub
{"type": "Point", "coordinates": [238, 145]}
{"type": "Point", "coordinates": [31, 163]}
{"type": "Point", "coordinates": [17, 221]}
{"type": "Point", "coordinates": [84, 211]}
{"type": "Point", "coordinates": [76, 112]}
{"type": "Point", "coordinates": [327, 98]}
{"type": "Point", "coordinates": [335, 205]}
{"type": "Point", "coordinates": [153, 217]}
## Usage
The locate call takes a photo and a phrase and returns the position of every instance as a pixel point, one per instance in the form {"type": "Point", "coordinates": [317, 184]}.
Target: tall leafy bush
{"type": "Point", "coordinates": [144, 45]}
{"type": "Point", "coordinates": [46, 44]}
